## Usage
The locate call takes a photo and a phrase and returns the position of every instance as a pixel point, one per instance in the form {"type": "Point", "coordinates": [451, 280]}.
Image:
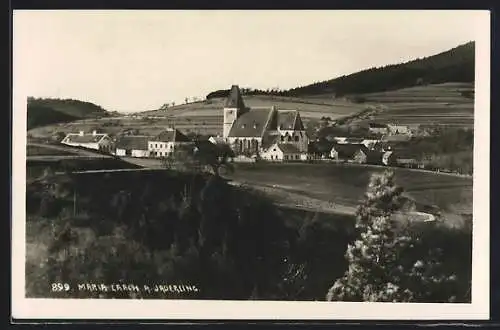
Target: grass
{"type": "Point", "coordinates": [345, 185]}
{"type": "Point", "coordinates": [42, 151]}
{"type": "Point", "coordinates": [431, 104]}
{"type": "Point", "coordinates": [204, 117]}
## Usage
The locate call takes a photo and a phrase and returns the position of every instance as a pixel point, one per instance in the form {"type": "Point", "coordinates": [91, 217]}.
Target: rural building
{"type": "Point", "coordinates": [355, 153]}
{"type": "Point", "coordinates": [396, 138]}
{"type": "Point", "coordinates": [398, 129]}
{"type": "Point", "coordinates": [165, 143]}
{"type": "Point", "coordinates": [404, 157]}
{"type": "Point", "coordinates": [376, 128]}
{"type": "Point", "coordinates": [133, 145]}
{"type": "Point", "coordinates": [351, 140]}
{"type": "Point", "coordinates": [389, 158]}
{"type": "Point", "coordinates": [283, 152]}
{"type": "Point", "coordinates": [94, 140]}
{"type": "Point", "coordinates": [386, 158]}
{"type": "Point", "coordinates": [251, 130]}
{"type": "Point", "coordinates": [216, 139]}
{"type": "Point", "coordinates": [370, 143]}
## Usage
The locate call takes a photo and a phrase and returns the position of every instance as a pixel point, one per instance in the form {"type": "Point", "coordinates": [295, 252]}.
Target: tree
{"type": "Point", "coordinates": [215, 156]}
{"type": "Point", "coordinates": [387, 262]}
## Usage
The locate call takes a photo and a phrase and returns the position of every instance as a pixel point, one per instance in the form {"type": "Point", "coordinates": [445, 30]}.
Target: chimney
{"type": "Point", "coordinates": [94, 132]}
{"type": "Point", "coordinates": [81, 133]}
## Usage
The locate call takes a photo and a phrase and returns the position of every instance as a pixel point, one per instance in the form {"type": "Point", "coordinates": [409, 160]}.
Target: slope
{"type": "Point", "coordinates": [45, 111]}
{"type": "Point", "coordinates": [454, 65]}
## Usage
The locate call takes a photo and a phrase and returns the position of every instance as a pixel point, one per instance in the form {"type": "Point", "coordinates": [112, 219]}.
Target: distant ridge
{"type": "Point", "coordinates": [46, 111]}
{"type": "Point", "coordinates": [454, 65]}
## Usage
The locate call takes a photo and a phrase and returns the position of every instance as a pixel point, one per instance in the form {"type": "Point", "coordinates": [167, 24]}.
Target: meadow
{"type": "Point", "coordinates": [431, 104]}
{"type": "Point", "coordinates": [342, 187]}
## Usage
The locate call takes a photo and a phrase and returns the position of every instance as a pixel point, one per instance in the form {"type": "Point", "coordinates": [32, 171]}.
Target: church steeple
{"type": "Point", "coordinates": [234, 99]}
{"type": "Point", "coordinates": [233, 108]}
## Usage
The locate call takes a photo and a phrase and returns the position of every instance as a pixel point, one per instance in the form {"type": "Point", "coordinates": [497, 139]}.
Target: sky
{"type": "Point", "coordinates": [131, 61]}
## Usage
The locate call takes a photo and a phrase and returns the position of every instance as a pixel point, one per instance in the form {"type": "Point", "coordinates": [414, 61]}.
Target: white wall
{"type": "Point", "coordinates": [273, 153]}
{"type": "Point", "coordinates": [120, 152]}
{"type": "Point", "coordinates": [140, 153]}
{"type": "Point", "coordinates": [163, 148]}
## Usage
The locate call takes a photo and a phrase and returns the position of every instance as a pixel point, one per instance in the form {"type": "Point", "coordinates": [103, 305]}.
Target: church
{"type": "Point", "coordinates": [259, 131]}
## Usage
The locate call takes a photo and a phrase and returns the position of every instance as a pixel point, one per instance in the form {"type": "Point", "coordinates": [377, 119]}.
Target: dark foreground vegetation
{"type": "Point", "coordinates": [148, 228]}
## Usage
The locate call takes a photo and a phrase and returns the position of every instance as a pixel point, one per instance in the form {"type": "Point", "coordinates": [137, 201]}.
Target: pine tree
{"type": "Point", "coordinates": [387, 262]}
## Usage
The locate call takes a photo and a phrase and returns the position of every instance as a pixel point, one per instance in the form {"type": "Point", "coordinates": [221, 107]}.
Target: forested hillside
{"type": "Point", "coordinates": [454, 65]}
{"type": "Point", "coordinates": [46, 111]}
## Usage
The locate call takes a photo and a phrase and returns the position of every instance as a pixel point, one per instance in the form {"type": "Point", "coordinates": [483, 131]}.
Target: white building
{"type": "Point", "coordinates": [94, 140]}
{"type": "Point", "coordinates": [165, 143]}
{"type": "Point", "coordinates": [398, 129]}
{"type": "Point", "coordinates": [279, 152]}
{"type": "Point", "coordinates": [132, 145]}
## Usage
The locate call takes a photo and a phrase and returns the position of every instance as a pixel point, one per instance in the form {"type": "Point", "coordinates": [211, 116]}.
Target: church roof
{"type": "Point", "coordinates": [269, 140]}
{"type": "Point", "coordinates": [289, 120]}
{"type": "Point", "coordinates": [234, 100]}
{"type": "Point", "coordinates": [251, 123]}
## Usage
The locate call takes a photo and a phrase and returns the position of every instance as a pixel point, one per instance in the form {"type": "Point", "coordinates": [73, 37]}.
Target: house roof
{"type": "Point", "coordinates": [349, 150]}
{"type": "Point", "coordinates": [171, 135]}
{"type": "Point", "coordinates": [396, 138]}
{"type": "Point", "coordinates": [234, 100]}
{"type": "Point", "coordinates": [251, 123]}
{"type": "Point", "coordinates": [86, 138]}
{"type": "Point", "coordinates": [216, 139]}
{"type": "Point", "coordinates": [133, 142]}
{"type": "Point", "coordinates": [377, 125]}
{"type": "Point", "coordinates": [354, 140]}
{"type": "Point", "coordinates": [288, 148]}
{"type": "Point", "coordinates": [322, 146]}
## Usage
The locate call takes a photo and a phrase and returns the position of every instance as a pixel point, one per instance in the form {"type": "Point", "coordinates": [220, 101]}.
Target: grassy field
{"type": "Point", "coordinates": [36, 150]}
{"type": "Point", "coordinates": [202, 117]}
{"type": "Point", "coordinates": [432, 104]}
{"type": "Point", "coordinates": [343, 187]}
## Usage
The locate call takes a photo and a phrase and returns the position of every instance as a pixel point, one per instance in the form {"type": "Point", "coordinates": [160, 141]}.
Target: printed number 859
{"type": "Point", "coordinates": [58, 287]}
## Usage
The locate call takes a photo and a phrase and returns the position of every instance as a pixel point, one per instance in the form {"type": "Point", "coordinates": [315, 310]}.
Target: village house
{"type": "Point", "coordinates": [165, 143]}
{"type": "Point", "coordinates": [94, 140]}
{"type": "Point", "coordinates": [376, 128]}
{"type": "Point", "coordinates": [283, 152]}
{"type": "Point", "coordinates": [133, 146]}
{"type": "Point", "coordinates": [394, 129]}
{"type": "Point", "coordinates": [353, 153]}
{"type": "Point", "coordinates": [252, 131]}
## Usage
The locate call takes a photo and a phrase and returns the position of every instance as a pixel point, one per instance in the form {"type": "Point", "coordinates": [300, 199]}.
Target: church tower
{"type": "Point", "coordinates": [233, 108]}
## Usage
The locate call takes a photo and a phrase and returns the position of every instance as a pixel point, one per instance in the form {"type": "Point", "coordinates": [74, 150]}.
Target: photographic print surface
{"type": "Point", "coordinates": [225, 159]}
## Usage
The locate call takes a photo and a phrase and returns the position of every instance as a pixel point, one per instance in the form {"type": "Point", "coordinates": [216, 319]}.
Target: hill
{"type": "Point", "coordinates": [454, 65]}
{"type": "Point", "coordinates": [46, 111]}
{"type": "Point", "coordinates": [437, 89]}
